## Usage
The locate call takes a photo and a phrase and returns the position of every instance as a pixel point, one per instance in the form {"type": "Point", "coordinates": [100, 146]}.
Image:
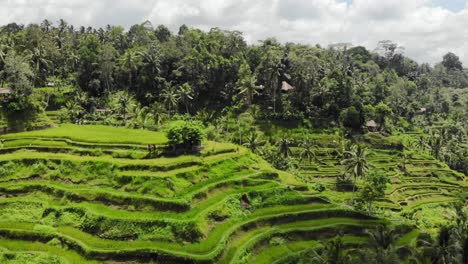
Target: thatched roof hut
{"type": "Point", "coordinates": [286, 87]}
{"type": "Point", "coordinates": [372, 125]}
{"type": "Point", "coordinates": [5, 91]}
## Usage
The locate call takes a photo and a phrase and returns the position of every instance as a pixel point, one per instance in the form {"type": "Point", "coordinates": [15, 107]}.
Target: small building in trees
{"type": "Point", "coordinates": [286, 87]}
{"type": "Point", "coordinates": [372, 126]}
{"type": "Point", "coordinates": [5, 93]}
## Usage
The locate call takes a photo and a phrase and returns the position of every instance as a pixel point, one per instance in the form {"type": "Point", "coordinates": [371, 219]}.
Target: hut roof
{"type": "Point", "coordinates": [371, 123]}
{"type": "Point", "coordinates": [5, 90]}
{"type": "Point", "coordinates": [102, 110]}
{"type": "Point", "coordinates": [286, 87]}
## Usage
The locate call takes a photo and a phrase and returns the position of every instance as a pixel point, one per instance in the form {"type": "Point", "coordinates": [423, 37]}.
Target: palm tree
{"type": "Point", "coordinates": [128, 62]}
{"type": "Point", "coordinates": [124, 105]}
{"type": "Point", "coordinates": [436, 143]}
{"type": "Point", "coordinates": [307, 152]}
{"type": "Point", "coordinates": [247, 84]}
{"type": "Point", "coordinates": [141, 116]}
{"type": "Point", "coordinates": [74, 111]}
{"type": "Point", "coordinates": [355, 162]}
{"type": "Point", "coordinates": [443, 250]}
{"type": "Point", "coordinates": [283, 147]}
{"type": "Point", "coordinates": [332, 253]}
{"type": "Point", "coordinates": [170, 99]}
{"type": "Point", "coordinates": [404, 162]}
{"type": "Point", "coordinates": [253, 142]}
{"type": "Point", "coordinates": [185, 93]}
{"type": "Point", "coordinates": [40, 62]}
{"type": "Point", "coordinates": [152, 61]}
{"type": "Point", "coordinates": [383, 240]}
{"type": "Point", "coordinates": [459, 218]}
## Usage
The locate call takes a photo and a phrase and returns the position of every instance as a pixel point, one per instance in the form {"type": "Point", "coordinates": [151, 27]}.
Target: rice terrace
{"type": "Point", "coordinates": [144, 145]}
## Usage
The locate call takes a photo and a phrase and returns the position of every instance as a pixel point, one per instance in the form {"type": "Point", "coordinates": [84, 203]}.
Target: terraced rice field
{"type": "Point", "coordinates": [92, 194]}
{"type": "Point", "coordinates": [417, 180]}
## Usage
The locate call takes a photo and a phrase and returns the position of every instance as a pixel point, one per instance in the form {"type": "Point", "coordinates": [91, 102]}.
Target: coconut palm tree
{"type": "Point", "coordinates": [253, 142]}
{"type": "Point", "coordinates": [382, 241]}
{"type": "Point", "coordinates": [129, 64]}
{"type": "Point", "coordinates": [170, 99]}
{"type": "Point", "coordinates": [185, 93]}
{"type": "Point", "coordinates": [436, 143]}
{"type": "Point", "coordinates": [152, 61]}
{"type": "Point", "coordinates": [404, 162]}
{"type": "Point", "coordinates": [40, 62]}
{"type": "Point", "coordinates": [443, 250]}
{"type": "Point", "coordinates": [124, 105]}
{"type": "Point", "coordinates": [308, 152]}
{"type": "Point", "coordinates": [355, 162]}
{"type": "Point", "coordinates": [459, 218]}
{"type": "Point", "coordinates": [284, 147]}
{"type": "Point", "coordinates": [333, 252]}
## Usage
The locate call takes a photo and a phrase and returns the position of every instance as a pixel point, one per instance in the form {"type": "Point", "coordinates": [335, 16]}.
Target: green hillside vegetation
{"type": "Point", "coordinates": [188, 208]}
{"type": "Point", "coordinates": [148, 146]}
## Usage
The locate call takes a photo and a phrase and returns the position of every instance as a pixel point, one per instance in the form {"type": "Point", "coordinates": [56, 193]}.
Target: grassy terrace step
{"type": "Point", "coordinates": [96, 134]}
{"type": "Point", "coordinates": [85, 193]}
{"type": "Point", "coordinates": [159, 164]}
{"type": "Point", "coordinates": [310, 228]}
{"type": "Point", "coordinates": [411, 185]}
{"type": "Point", "coordinates": [21, 246]}
{"type": "Point", "coordinates": [11, 144]}
{"type": "Point", "coordinates": [275, 254]}
{"type": "Point", "coordinates": [159, 174]}
{"type": "Point", "coordinates": [206, 250]}
{"type": "Point", "coordinates": [439, 199]}
{"type": "Point", "coordinates": [110, 196]}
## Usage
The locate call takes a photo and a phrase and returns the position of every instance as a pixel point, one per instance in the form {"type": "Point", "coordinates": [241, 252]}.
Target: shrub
{"type": "Point", "coordinates": [185, 134]}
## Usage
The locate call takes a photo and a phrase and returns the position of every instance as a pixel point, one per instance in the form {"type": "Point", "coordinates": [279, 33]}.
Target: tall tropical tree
{"type": "Point", "coordinates": [41, 63]}
{"type": "Point", "coordinates": [170, 99]}
{"type": "Point", "coordinates": [284, 147]}
{"type": "Point", "coordinates": [355, 163]}
{"type": "Point", "coordinates": [151, 59]}
{"type": "Point", "coordinates": [443, 250]}
{"type": "Point", "coordinates": [308, 152]}
{"type": "Point", "coordinates": [333, 252]}
{"type": "Point", "coordinates": [382, 241]}
{"type": "Point", "coordinates": [123, 104]}
{"type": "Point", "coordinates": [436, 143]}
{"type": "Point", "coordinates": [253, 142]}
{"type": "Point", "coordinates": [246, 84]}
{"type": "Point", "coordinates": [128, 63]}
{"type": "Point", "coordinates": [185, 93]}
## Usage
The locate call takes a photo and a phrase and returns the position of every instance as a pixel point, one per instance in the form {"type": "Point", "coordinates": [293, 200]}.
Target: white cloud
{"type": "Point", "coordinates": [427, 31]}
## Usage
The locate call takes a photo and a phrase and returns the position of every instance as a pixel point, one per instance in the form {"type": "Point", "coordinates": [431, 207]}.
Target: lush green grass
{"type": "Point", "coordinates": [97, 134]}
{"type": "Point", "coordinates": [21, 246]}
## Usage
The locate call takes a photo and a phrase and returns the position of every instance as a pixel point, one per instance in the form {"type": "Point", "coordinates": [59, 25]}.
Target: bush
{"type": "Point", "coordinates": [185, 135]}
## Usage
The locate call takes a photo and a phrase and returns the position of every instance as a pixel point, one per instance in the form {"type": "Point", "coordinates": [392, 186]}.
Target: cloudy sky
{"type": "Point", "coordinates": [426, 28]}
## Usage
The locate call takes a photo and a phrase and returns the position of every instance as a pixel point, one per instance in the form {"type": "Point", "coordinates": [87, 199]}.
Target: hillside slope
{"type": "Point", "coordinates": [72, 195]}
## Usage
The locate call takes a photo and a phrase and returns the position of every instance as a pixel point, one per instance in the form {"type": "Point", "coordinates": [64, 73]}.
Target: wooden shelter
{"type": "Point", "coordinates": [5, 92]}
{"type": "Point", "coordinates": [286, 87]}
{"type": "Point", "coordinates": [372, 125]}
